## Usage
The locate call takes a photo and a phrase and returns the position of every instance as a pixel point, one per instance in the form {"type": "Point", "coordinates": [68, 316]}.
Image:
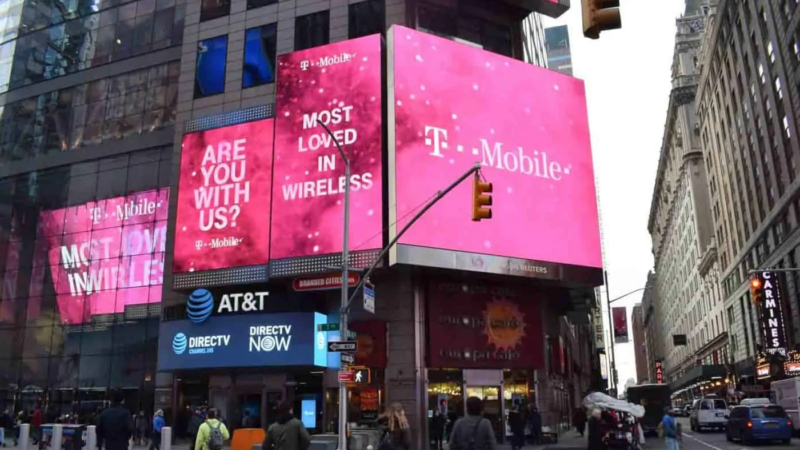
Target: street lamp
{"type": "Point", "coordinates": [613, 373]}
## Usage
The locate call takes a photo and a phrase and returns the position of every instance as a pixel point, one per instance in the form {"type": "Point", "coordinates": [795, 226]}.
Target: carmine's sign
{"type": "Point", "coordinates": [770, 313]}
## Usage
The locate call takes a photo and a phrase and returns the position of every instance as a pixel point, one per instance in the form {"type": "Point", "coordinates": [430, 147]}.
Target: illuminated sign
{"type": "Point", "coordinates": [792, 364]}
{"type": "Point", "coordinates": [201, 304]}
{"type": "Point", "coordinates": [770, 312]}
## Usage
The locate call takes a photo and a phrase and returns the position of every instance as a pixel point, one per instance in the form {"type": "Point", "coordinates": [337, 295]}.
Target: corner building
{"type": "Point", "coordinates": [94, 102]}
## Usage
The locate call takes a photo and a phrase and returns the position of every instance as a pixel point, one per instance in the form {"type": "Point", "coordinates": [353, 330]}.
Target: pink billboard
{"type": "Point", "coordinates": [104, 255]}
{"type": "Point", "coordinates": [454, 105]}
{"type": "Point", "coordinates": [340, 85]}
{"type": "Point", "coordinates": [224, 198]}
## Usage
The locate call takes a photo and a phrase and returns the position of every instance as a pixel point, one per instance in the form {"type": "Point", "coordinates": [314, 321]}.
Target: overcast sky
{"type": "Point", "coordinates": [627, 74]}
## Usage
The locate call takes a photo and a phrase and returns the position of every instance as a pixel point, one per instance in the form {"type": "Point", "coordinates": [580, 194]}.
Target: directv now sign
{"type": "Point", "coordinates": [201, 304]}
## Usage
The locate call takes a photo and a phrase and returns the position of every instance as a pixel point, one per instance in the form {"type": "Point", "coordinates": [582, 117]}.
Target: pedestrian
{"type": "Point", "coordinates": [36, 423]}
{"type": "Point", "coordinates": [596, 433]}
{"type": "Point", "coordinates": [579, 420]}
{"type": "Point", "coordinates": [158, 425]}
{"type": "Point", "coordinates": [115, 425]}
{"type": "Point", "coordinates": [534, 424]}
{"type": "Point", "coordinates": [6, 426]}
{"type": "Point", "coordinates": [670, 430]}
{"type": "Point", "coordinates": [212, 433]}
{"type": "Point", "coordinates": [517, 425]}
{"type": "Point", "coordinates": [437, 429]}
{"type": "Point", "coordinates": [194, 425]}
{"type": "Point", "coordinates": [396, 431]}
{"type": "Point", "coordinates": [473, 431]}
{"type": "Point", "coordinates": [288, 432]}
{"type": "Point", "coordinates": [140, 424]}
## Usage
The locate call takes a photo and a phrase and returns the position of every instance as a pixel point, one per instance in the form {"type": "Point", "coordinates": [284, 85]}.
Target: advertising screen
{"type": "Point", "coordinates": [483, 326]}
{"type": "Point", "coordinates": [340, 85]}
{"type": "Point", "coordinates": [254, 340]}
{"type": "Point", "coordinates": [452, 106]}
{"type": "Point", "coordinates": [105, 255]}
{"type": "Point", "coordinates": [224, 198]}
{"type": "Point", "coordinates": [309, 412]}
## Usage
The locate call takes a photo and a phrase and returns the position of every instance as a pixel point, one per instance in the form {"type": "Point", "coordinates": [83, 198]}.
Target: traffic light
{"type": "Point", "coordinates": [481, 200]}
{"type": "Point", "coordinates": [756, 289]}
{"type": "Point", "coordinates": [600, 15]}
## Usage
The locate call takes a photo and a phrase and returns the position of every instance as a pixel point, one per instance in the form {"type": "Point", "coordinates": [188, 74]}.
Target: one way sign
{"type": "Point", "coordinates": [343, 346]}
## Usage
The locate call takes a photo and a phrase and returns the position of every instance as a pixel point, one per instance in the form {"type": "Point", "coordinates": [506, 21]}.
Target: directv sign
{"type": "Point", "coordinates": [255, 340]}
{"type": "Point", "coordinates": [201, 304]}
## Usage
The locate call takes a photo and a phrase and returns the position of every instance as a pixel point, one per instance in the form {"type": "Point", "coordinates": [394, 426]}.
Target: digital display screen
{"type": "Point", "coordinates": [259, 55]}
{"type": "Point", "coordinates": [340, 85]}
{"type": "Point", "coordinates": [212, 56]}
{"type": "Point", "coordinates": [453, 105]}
{"type": "Point", "coordinates": [104, 255]}
{"type": "Point", "coordinates": [224, 198]}
{"type": "Point", "coordinates": [309, 411]}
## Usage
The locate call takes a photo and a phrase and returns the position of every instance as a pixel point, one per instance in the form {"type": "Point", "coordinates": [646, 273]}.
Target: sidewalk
{"type": "Point", "coordinates": [567, 440]}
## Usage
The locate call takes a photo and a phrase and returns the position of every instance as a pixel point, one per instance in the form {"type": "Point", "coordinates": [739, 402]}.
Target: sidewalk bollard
{"type": "Point", "coordinates": [91, 437]}
{"type": "Point", "coordinates": [55, 440]}
{"type": "Point", "coordinates": [24, 436]}
{"type": "Point", "coordinates": [166, 438]}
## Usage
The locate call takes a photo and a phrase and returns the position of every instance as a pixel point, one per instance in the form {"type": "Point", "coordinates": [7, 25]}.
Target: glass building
{"type": "Point", "coordinates": [93, 100]}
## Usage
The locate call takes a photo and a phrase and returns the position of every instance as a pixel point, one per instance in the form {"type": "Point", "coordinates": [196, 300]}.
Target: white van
{"type": "Point", "coordinates": [708, 412]}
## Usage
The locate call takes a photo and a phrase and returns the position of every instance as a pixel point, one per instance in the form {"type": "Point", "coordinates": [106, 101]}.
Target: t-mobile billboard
{"type": "Point", "coordinates": [340, 85]}
{"type": "Point", "coordinates": [224, 198]}
{"type": "Point", "coordinates": [106, 255]}
{"type": "Point", "coordinates": [452, 106]}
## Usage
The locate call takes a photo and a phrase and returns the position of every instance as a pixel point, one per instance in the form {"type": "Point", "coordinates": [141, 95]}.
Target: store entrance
{"type": "Point", "coordinates": [493, 407]}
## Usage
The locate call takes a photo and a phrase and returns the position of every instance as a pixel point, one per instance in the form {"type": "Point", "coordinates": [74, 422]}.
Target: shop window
{"type": "Point", "coordinates": [212, 57]}
{"type": "Point", "coordinates": [259, 56]}
{"type": "Point", "coordinates": [366, 18]}
{"type": "Point", "coordinates": [212, 9]}
{"type": "Point", "coordinates": [251, 4]}
{"type": "Point", "coordinates": [312, 30]}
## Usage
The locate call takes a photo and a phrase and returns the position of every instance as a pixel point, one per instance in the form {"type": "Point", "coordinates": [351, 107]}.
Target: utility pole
{"type": "Point", "coordinates": [345, 285]}
{"type": "Point", "coordinates": [345, 301]}
{"type": "Point", "coordinates": [613, 374]}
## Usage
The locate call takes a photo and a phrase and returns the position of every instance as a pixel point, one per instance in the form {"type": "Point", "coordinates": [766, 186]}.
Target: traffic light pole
{"type": "Point", "coordinates": [613, 375]}
{"type": "Point", "coordinates": [343, 319]}
{"type": "Point", "coordinates": [345, 301]}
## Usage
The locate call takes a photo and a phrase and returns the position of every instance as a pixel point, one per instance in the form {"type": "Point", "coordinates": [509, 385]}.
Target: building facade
{"type": "Point", "coordinates": [687, 300]}
{"type": "Point", "coordinates": [559, 54]}
{"type": "Point", "coordinates": [95, 100]}
{"type": "Point", "coordinates": [747, 103]}
{"type": "Point", "coordinates": [639, 343]}
{"type": "Point", "coordinates": [652, 336]}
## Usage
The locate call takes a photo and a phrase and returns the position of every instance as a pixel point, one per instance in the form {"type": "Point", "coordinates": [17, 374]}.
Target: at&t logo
{"type": "Point", "coordinates": [179, 343]}
{"type": "Point", "coordinates": [270, 338]}
{"type": "Point", "coordinates": [200, 306]}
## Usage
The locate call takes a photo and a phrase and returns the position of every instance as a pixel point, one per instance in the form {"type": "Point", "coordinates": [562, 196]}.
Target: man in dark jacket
{"type": "Point", "coordinates": [194, 426]}
{"type": "Point", "coordinates": [287, 433]}
{"type": "Point", "coordinates": [473, 431]}
{"type": "Point", "coordinates": [115, 425]}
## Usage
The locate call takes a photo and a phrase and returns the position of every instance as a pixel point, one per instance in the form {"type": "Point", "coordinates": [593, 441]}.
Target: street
{"type": "Point", "coordinates": [714, 440]}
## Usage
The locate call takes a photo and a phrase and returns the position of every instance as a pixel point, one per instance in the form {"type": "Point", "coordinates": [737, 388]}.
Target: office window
{"type": "Point", "coordinates": [366, 18]}
{"type": "Point", "coordinates": [312, 30]}
{"type": "Point", "coordinates": [466, 27]}
{"type": "Point", "coordinates": [259, 56]}
{"type": "Point", "coordinates": [211, 57]}
{"type": "Point", "coordinates": [212, 9]}
{"type": "Point", "coordinates": [251, 4]}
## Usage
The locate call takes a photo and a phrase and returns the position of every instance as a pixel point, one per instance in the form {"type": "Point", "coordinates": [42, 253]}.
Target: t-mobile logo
{"type": "Point", "coordinates": [304, 64]}
{"type": "Point", "coordinates": [437, 139]}
{"type": "Point", "coordinates": [95, 214]}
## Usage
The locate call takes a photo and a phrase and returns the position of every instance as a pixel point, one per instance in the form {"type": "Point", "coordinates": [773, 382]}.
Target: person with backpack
{"type": "Point", "coordinates": [473, 432]}
{"type": "Point", "coordinates": [212, 434]}
{"type": "Point", "coordinates": [288, 432]}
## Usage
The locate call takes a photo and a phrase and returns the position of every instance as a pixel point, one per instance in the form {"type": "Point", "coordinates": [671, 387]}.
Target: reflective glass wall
{"type": "Point", "coordinates": [41, 40]}
{"type": "Point", "coordinates": [82, 259]}
{"type": "Point", "coordinates": [114, 108]}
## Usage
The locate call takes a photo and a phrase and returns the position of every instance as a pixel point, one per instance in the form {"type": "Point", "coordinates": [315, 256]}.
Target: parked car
{"type": "Point", "coordinates": [708, 412]}
{"type": "Point", "coordinates": [766, 422]}
{"type": "Point", "coordinates": [687, 410]}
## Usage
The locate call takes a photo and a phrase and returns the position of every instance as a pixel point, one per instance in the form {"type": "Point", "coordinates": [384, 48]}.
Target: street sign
{"type": "Point", "coordinates": [369, 298]}
{"type": "Point", "coordinates": [346, 376]}
{"type": "Point", "coordinates": [348, 358]}
{"type": "Point", "coordinates": [323, 282]}
{"type": "Point", "coordinates": [328, 327]}
{"type": "Point", "coordinates": [343, 346]}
